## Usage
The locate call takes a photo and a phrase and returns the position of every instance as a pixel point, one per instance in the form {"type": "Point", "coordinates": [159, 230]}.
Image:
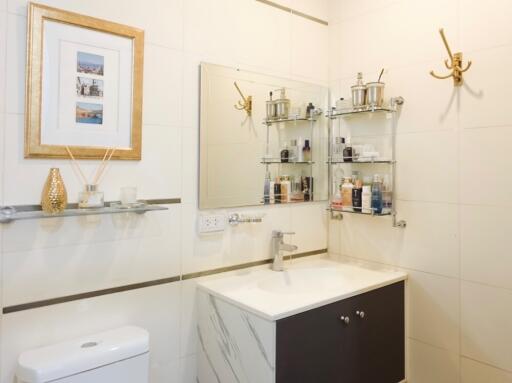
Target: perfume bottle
{"type": "Point", "coordinates": [285, 154]}
{"type": "Point", "coordinates": [348, 151]}
{"type": "Point", "coordinates": [90, 198]}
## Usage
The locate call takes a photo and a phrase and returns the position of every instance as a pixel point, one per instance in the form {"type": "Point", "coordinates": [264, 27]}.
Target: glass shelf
{"type": "Point", "coordinates": [350, 112]}
{"type": "Point", "coordinates": [22, 212]}
{"type": "Point", "coordinates": [271, 122]}
{"type": "Point", "coordinates": [279, 162]}
{"type": "Point", "coordinates": [336, 162]}
{"type": "Point", "coordinates": [340, 210]}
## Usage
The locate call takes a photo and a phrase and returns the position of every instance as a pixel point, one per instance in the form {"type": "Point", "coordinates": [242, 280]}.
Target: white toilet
{"type": "Point", "coordinates": [116, 356]}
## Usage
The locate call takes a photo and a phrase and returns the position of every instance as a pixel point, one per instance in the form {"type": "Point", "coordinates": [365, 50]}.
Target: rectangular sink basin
{"type": "Point", "coordinates": [306, 284]}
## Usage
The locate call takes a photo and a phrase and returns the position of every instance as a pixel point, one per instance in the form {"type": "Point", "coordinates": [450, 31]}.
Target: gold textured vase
{"type": "Point", "coordinates": [54, 198]}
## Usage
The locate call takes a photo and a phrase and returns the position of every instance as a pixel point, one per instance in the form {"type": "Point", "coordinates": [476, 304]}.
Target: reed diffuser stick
{"type": "Point", "coordinates": [100, 168]}
{"type": "Point", "coordinates": [77, 167]}
{"type": "Point", "coordinates": [102, 173]}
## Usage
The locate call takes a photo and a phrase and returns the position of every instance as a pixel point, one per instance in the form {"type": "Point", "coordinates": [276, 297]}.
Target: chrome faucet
{"type": "Point", "coordinates": [278, 245]}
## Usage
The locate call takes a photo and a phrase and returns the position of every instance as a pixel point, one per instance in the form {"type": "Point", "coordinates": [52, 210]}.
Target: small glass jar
{"type": "Point", "coordinates": [91, 198]}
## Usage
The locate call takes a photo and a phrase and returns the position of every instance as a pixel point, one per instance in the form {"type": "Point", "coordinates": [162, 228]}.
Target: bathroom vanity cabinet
{"type": "Point", "coordinates": [360, 339]}
{"type": "Point", "coordinates": [356, 340]}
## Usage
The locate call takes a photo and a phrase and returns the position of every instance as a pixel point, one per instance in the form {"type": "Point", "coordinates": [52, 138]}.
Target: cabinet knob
{"type": "Point", "coordinates": [360, 314]}
{"type": "Point", "coordinates": [345, 319]}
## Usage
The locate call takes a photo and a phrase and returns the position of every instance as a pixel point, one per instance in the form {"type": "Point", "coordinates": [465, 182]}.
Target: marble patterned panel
{"type": "Point", "coordinates": [234, 346]}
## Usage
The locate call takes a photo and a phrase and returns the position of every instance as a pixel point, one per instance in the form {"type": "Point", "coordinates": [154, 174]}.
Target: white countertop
{"type": "Point", "coordinates": [306, 283]}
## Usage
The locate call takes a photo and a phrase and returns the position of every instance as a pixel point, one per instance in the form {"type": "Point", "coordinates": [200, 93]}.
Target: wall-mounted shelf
{"type": "Point", "coordinates": [337, 113]}
{"type": "Point", "coordinates": [22, 212]}
{"type": "Point", "coordinates": [291, 119]}
{"type": "Point", "coordinates": [393, 108]}
{"type": "Point", "coordinates": [279, 162]}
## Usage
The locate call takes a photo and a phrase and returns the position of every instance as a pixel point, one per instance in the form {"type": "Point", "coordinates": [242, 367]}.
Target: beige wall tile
{"type": "Point", "coordinates": [428, 364]}
{"type": "Point", "coordinates": [475, 372]}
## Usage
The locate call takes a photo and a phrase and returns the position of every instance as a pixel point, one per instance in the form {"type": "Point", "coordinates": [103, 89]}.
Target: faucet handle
{"type": "Point", "coordinates": [279, 233]}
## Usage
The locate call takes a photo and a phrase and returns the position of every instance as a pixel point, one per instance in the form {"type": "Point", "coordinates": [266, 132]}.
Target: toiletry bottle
{"type": "Point", "coordinates": [377, 194]}
{"type": "Point", "coordinates": [348, 151]}
{"type": "Point", "coordinates": [272, 195]}
{"type": "Point", "coordinates": [297, 193]}
{"type": "Point", "coordinates": [367, 196]}
{"type": "Point", "coordinates": [357, 195]}
{"type": "Point", "coordinates": [285, 189]}
{"type": "Point", "coordinates": [310, 110]}
{"type": "Point", "coordinates": [266, 189]}
{"type": "Point", "coordinates": [337, 149]}
{"type": "Point", "coordinates": [337, 181]}
{"type": "Point", "coordinates": [285, 154]}
{"type": "Point", "coordinates": [307, 188]}
{"type": "Point", "coordinates": [306, 151]}
{"type": "Point", "coordinates": [292, 151]}
{"type": "Point", "coordinates": [271, 109]}
{"type": "Point", "coordinates": [346, 194]}
{"type": "Point", "coordinates": [277, 190]}
{"type": "Point", "coordinates": [387, 195]}
{"type": "Point", "coordinates": [282, 105]}
{"type": "Point", "coordinates": [300, 153]}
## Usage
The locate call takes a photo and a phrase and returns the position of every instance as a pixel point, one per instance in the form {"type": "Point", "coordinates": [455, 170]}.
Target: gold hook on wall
{"type": "Point", "coordinates": [245, 103]}
{"type": "Point", "coordinates": [454, 64]}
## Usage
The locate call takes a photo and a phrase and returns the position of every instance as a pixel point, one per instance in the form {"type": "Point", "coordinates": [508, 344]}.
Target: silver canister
{"type": "Point", "coordinates": [375, 94]}
{"type": "Point", "coordinates": [358, 96]}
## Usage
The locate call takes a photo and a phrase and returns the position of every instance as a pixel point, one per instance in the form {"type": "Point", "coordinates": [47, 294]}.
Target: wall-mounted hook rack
{"type": "Point", "coordinates": [245, 103]}
{"type": "Point", "coordinates": [454, 63]}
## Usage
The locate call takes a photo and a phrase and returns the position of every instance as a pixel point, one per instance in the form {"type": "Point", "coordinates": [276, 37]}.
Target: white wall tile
{"type": "Point", "coordinates": [427, 165]}
{"type": "Point", "coordinates": [155, 309]}
{"type": "Point", "coordinates": [475, 372]}
{"type": "Point", "coordinates": [486, 322]}
{"type": "Point", "coordinates": [188, 369]}
{"type": "Point", "coordinates": [485, 239]}
{"type": "Point", "coordinates": [309, 222]}
{"type": "Point", "coordinates": [428, 364]}
{"type": "Point", "coordinates": [484, 26]}
{"type": "Point", "coordinates": [483, 97]}
{"type": "Point", "coordinates": [434, 310]}
{"type": "Point", "coordinates": [485, 156]}
{"type": "Point", "coordinates": [315, 8]}
{"type": "Point", "coordinates": [343, 10]}
{"type": "Point", "coordinates": [3, 46]}
{"type": "Point", "coordinates": [427, 244]}
{"type": "Point", "coordinates": [15, 63]}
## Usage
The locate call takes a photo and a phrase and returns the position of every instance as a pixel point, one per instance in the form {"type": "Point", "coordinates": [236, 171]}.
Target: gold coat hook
{"type": "Point", "coordinates": [246, 103]}
{"type": "Point", "coordinates": [454, 63]}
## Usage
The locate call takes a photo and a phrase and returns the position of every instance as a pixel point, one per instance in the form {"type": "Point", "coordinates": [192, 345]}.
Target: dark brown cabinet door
{"type": "Point", "coordinates": [317, 346]}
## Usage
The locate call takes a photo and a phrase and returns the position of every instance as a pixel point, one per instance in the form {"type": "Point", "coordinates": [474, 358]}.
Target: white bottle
{"type": "Point", "coordinates": [346, 194]}
{"type": "Point", "coordinates": [366, 197]}
{"type": "Point", "coordinates": [298, 151]}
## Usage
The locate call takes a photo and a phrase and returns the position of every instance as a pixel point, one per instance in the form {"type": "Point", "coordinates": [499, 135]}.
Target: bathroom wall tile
{"type": "Point", "coordinates": [418, 164]}
{"type": "Point", "coordinates": [485, 239]}
{"type": "Point", "coordinates": [264, 46]}
{"type": "Point", "coordinates": [161, 20]}
{"type": "Point", "coordinates": [334, 239]}
{"type": "Point", "coordinates": [428, 364]}
{"type": "Point", "coordinates": [384, 41]}
{"type": "Point", "coordinates": [484, 26]}
{"type": "Point", "coordinates": [3, 5]}
{"type": "Point", "coordinates": [415, 85]}
{"type": "Point", "coordinates": [485, 155]}
{"type": "Point", "coordinates": [343, 10]}
{"type": "Point", "coordinates": [163, 85]}
{"type": "Point", "coordinates": [309, 222]}
{"type": "Point", "coordinates": [188, 369]}
{"type": "Point", "coordinates": [475, 372]}
{"type": "Point", "coordinates": [427, 244]}
{"type": "Point", "coordinates": [3, 44]}
{"type": "Point", "coordinates": [308, 37]}
{"type": "Point", "coordinates": [315, 8]}
{"type": "Point", "coordinates": [155, 309]}
{"type": "Point", "coordinates": [434, 310]}
{"type": "Point", "coordinates": [484, 96]}
{"type": "Point", "coordinates": [486, 323]}
{"type": "Point", "coordinates": [190, 166]}
{"type": "Point", "coordinates": [15, 63]}
{"type": "Point", "coordinates": [93, 266]}
{"type": "Point", "coordinates": [188, 328]}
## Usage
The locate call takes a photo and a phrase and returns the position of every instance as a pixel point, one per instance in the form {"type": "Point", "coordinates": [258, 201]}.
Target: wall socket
{"type": "Point", "coordinates": [210, 223]}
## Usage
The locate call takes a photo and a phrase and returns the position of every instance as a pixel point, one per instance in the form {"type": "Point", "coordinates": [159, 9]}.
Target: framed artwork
{"type": "Point", "coordinates": [83, 86]}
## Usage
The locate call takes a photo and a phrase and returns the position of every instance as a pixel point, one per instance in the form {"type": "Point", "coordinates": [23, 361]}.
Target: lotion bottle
{"type": "Point", "coordinates": [366, 197]}
{"type": "Point", "coordinates": [346, 194]}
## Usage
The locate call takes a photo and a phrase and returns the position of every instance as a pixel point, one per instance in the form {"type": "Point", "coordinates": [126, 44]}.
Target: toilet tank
{"type": "Point", "coordinates": [120, 355]}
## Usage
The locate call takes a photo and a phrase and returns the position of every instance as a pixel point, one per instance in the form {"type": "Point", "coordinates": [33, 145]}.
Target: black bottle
{"type": "Point", "coordinates": [348, 152]}
{"type": "Point", "coordinates": [277, 191]}
{"type": "Point", "coordinates": [285, 155]}
{"type": "Point", "coordinates": [357, 196]}
{"type": "Point", "coordinates": [307, 188]}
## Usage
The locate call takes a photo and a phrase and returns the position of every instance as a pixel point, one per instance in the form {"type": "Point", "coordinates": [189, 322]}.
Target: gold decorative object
{"type": "Point", "coordinates": [455, 64]}
{"type": "Point", "coordinates": [39, 19]}
{"type": "Point", "coordinates": [54, 198]}
{"type": "Point", "coordinates": [245, 103]}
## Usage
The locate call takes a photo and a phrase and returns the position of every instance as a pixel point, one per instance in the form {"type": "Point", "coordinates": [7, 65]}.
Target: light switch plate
{"type": "Point", "coordinates": [210, 223]}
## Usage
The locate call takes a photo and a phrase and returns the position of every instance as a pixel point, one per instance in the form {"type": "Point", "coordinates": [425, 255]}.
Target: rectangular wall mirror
{"type": "Point", "coordinates": [248, 144]}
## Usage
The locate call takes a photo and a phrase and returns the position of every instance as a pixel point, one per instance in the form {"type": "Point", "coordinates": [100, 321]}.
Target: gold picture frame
{"type": "Point", "coordinates": [37, 15]}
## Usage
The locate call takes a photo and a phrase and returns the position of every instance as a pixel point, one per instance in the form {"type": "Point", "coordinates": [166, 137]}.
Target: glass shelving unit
{"type": "Point", "coordinates": [341, 114]}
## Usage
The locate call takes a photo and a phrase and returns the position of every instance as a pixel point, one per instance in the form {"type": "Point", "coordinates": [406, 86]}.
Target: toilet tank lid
{"type": "Point", "coordinates": [72, 357]}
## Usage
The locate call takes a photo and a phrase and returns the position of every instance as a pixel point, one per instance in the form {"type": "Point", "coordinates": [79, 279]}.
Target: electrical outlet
{"type": "Point", "coordinates": [209, 223]}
